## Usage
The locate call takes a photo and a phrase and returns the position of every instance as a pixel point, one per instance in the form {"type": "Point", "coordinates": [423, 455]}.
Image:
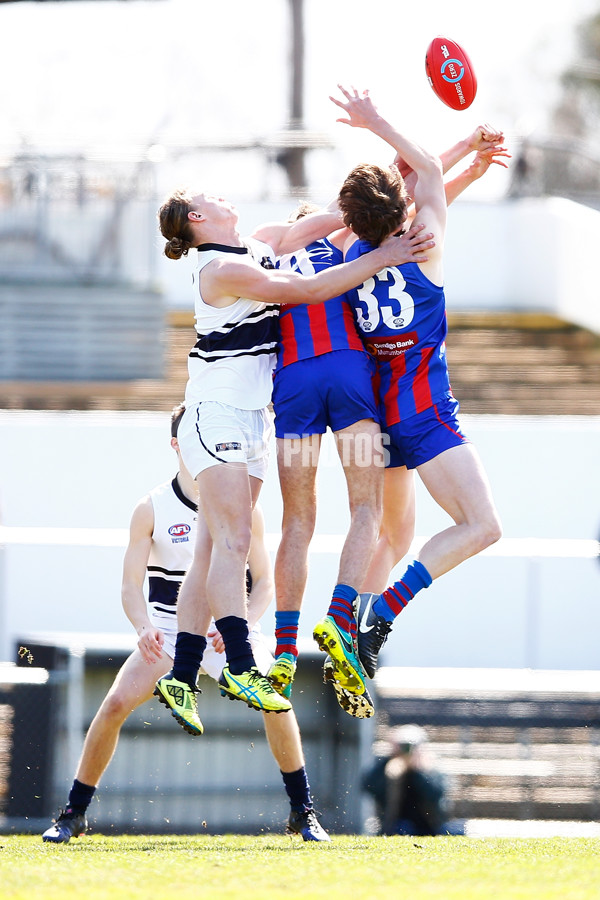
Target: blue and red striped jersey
{"type": "Point", "coordinates": [402, 317]}
{"type": "Point", "coordinates": [308, 330]}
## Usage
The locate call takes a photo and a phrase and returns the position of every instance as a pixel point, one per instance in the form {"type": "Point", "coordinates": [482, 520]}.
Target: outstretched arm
{"type": "Point", "coordinates": [361, 113]}
{"type": "Point", "coordinates": [428, 193]}
{"type": "Point", "coordinates": [453, 188]}
{"type": "Point", "coordinates": [483, 138]}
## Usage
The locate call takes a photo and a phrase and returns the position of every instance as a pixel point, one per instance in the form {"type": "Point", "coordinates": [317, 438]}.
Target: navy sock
{"type": "Point", "coordinates": [286, 631]}
{"type": "Point", "coordinates": [340, 608]}
{"type": "Point", "coordinates": [298, 790]}
{"type": "Point", "coordinates": [80, 797]}
{"type": "Point", "coordinates": [393, 600]}
{"type": "Point", "coordinates": [189, 650]}
{"type": "Point", "coordinates": [234, 632]}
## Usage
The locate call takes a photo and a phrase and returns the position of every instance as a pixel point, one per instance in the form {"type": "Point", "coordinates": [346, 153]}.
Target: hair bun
{"type": "Point", "coordinates": [176, 247]}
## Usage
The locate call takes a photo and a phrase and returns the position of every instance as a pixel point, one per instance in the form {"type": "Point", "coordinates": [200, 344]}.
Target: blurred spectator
{"type": "Point", "coordinates": [410, 793]}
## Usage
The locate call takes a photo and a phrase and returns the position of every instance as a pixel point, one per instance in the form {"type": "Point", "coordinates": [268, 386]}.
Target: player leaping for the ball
{"type": "Point", "coordinates": [402, 314]}
{"type": "Point", "coordinates": [316, 352]}
{"type": "Point", "coordinates": [225, 430]}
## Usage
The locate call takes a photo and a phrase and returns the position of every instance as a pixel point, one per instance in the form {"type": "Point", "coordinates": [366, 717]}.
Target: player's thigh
{"type": "Point", "coordinates": [458, 483]}
{"type": "Point", "coordinates": [136, 679]}
{"type": "Point", "coordinates": [226, 498]}
{"type": "Point", "coordinates": [360, 450]}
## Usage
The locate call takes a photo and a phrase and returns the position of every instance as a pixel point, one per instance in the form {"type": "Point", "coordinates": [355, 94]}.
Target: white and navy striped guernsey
{"type": "Point", "coordinates": [172, 546]}
{"type": "Point", "coordinates": [234, 356]}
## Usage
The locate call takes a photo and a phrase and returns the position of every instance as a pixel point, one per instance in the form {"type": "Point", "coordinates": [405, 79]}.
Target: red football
{"type": "Point", "coordinates": [450, 73]}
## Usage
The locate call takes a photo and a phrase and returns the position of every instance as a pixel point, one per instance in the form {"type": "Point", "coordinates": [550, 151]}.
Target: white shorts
{"type": "Point", "coordinates": [211, 433]}
{"type": "Point", "coordinates": [213, 662]}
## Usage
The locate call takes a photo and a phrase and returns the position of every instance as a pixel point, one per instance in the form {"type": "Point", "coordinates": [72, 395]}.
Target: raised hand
{"type": "Point", "coordinates": [484, 137]}
{"type": "Point", "coordinates": [409, 247]}
{"type": "Point", "coordinates": [361, 112]}
{"type": "Point", "coordinates": [485, 157]}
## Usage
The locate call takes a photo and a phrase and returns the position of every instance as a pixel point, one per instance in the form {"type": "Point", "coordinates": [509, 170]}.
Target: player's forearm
{"type": "Point", "coordinates": [310, 228]}
{"type": "Point", "coordinates": [260, 599]}
{"type": "Point", "coordinates": [239, 279]}
{"type": "Point", "coordinates": [456, 186]}
{"type": "Point", "coordinates": [135, 607]}
{"type": "Point", "coordinates": [453, 155]}
{"type": "Point", "coordinates": [416, 157]}
{"type": "Point", "coordinates": [338, 279]}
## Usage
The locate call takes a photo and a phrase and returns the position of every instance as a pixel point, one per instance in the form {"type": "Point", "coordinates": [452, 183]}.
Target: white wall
{"type": "Point", "coordinates": [77, 470]}
{"type": "Point", "coordinates": [531, 254]}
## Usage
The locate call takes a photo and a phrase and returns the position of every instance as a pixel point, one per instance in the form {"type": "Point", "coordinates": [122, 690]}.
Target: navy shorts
{"type": "Point", "coordinates": [334, 389]}
{"type": "Point", "coordinates": [420, 438]}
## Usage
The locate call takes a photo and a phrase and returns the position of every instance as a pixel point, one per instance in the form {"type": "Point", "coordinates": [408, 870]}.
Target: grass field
{"type": "Point", "coordinates": [282, 868]}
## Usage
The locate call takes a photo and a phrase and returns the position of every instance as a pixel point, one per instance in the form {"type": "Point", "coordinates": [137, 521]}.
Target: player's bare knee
{"type": "Point", "coordinates": [233, 543]}
{"type": "Point", "coordinates": [368, 510]}
{"type": "Point", "coordinates": [299, 530]}
{"type": "Point", "coordinates": [116, 707]}
{"type": "Point", "coordinates": [400, 544]}
{"type": "Point", "coordinates": [366, 522]}
{"type": "Point", "coordinates": [489, 531]}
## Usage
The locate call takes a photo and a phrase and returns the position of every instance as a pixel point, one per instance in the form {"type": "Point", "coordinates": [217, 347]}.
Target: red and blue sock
{"type": "Point", "coordinates": [341, 608]}
{"type": "Point", "coordinates": [393, 600]}
{"type": "Point", "coordinates": [286, 632]}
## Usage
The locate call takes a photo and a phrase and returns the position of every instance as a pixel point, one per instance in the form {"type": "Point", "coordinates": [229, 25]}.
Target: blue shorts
{"type": "Point", "coordinates": [420, 438]}
{"type": "Point", "coordinates": [334, 389]}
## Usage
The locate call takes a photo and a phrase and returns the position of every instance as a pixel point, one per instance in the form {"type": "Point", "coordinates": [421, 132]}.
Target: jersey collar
{"type": "Point", "coordinates": [225, 248]}
{"type": "Point", "coordinates": [181, 496]}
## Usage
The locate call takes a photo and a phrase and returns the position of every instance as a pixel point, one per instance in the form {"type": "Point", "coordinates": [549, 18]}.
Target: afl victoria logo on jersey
{"type": "Point", "coordinates": [179, 533]}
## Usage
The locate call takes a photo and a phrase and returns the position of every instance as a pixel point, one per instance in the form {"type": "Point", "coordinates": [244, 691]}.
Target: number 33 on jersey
{"type": "Point", "coordinates": [401, 316]}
